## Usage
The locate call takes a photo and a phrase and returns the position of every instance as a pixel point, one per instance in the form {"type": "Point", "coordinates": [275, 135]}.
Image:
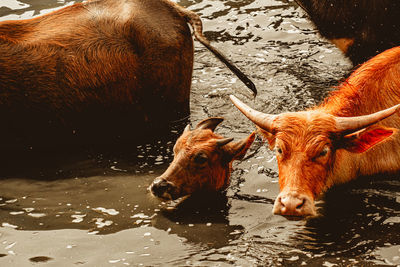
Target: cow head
{"type": "Point", "coordinates": [202, 161]}
{"type": "Point", "coordinates": [306, 145]}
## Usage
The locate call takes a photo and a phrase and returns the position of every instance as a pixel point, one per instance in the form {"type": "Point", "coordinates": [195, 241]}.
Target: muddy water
{"type": "Point", "coordinates": [93, 209]}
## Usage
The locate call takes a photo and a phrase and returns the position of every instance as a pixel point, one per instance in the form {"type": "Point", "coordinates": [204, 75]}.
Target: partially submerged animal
{"type": "Point", "coordinates": [202, 162]}
{"type": "Point", "coordinates": [360, 28]}
{"type": "Point", "coordinates": [344, 137]}
{"type": "Point", "coordinates": [102, 71]}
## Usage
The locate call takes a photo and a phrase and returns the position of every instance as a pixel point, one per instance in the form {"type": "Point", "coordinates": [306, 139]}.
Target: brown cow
{"type": "Point", "coordinates": [97, 72]}
{"type": "Point", "coordinates": [336, 141]}
{"type": "Point", "coordinates": [360, 28]}
{"type": "Point", "coordinates": [202, 162]}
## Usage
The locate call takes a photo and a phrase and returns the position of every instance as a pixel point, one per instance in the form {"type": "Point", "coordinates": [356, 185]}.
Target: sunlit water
{"type": "Point", "coordinates": [93, 208]}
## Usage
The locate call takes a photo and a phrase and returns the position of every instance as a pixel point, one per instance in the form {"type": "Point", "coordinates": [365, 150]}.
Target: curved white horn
{"type": "Point", "coordinates": [353, 124]}
{"type": "Point", "coordinates": [262, 120]}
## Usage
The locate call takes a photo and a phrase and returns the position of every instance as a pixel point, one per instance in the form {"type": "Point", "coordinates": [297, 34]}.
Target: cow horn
{"type": "Point", "coordinates": [210, 123]}
{"type": "Point", "coordinates": [353, 124]}
{"type": "Point", "coordinates": [187, 129]}
{"type": "Point", "coordinates": [260, 119]}
{"type": "Point", "coordinates": [222, 142]}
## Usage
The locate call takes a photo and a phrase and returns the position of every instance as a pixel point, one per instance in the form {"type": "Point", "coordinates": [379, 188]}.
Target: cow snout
{"type": "Point", "coordinates": [162, 188]}
{"type": "Point", "coordinates": [294, 204]}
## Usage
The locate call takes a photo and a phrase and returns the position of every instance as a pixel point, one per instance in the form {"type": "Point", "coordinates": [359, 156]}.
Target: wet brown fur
{"type": "Point", "coordinates": [93, 72]}
{"type": "Point", "coordinates": [213, 176]}
{"type": "Point", "coordinates": [102, 71]}
{"type": "Point", "coordinates": [303, 136]}
{"type": "Point", "coordinates": [189, 177]}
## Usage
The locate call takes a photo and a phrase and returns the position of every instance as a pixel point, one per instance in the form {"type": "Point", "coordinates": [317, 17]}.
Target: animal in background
{"type": "Point", "coordinates": [360, 28]}
{"type": "Point", "coordinates": [202, 162]}
{"type": "Point", "coordinates": [344, 137]}
{"type": "Point", "coordinates": [97, 72]}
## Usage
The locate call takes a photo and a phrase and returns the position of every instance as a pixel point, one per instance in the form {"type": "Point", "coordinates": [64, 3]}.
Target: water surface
{"type": "Point", "coordinates": [93, 208]}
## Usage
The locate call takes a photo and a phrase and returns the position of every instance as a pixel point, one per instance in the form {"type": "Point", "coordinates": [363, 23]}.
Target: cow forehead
{"type": "Point", "coordinates": [304, 126]}
{"type": "Point", "coordinates": [196, 139]}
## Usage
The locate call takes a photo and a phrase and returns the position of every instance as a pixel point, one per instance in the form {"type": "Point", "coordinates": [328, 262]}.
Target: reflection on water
{"type": "Point", "coordinates": [358, 218]}
{"type": "Point", "coordinates": [14, 9]}
{"type": "Point", "coordinates": [93, 207]}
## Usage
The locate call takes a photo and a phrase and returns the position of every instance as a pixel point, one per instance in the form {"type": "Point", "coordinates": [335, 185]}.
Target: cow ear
{"type": "Point", "coordinates": [365, 139]}
{"type": "Point", "coordinates": [209, 123]}
{"type": "Point", "coordinates": [237, 150]}
{"type": "Point", "coordinates": [267, 136]}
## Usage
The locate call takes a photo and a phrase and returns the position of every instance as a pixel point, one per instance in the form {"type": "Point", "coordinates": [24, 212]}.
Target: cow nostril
{"type": "Point", "coordinates": [281, 202]}
{"type": "Point", "coordinates": [301, 204]}
{"type": "Point", "coordinates": [160, 187]}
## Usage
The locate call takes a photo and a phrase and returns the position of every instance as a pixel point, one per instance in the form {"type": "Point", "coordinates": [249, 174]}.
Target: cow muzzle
{"type": "Point", "coordinates": [294, 204]}
{"type": "Point", "coordinates": [163, 189]}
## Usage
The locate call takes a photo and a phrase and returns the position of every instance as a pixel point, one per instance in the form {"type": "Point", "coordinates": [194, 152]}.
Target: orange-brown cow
{"type": "Point", "coordinates": [336, 141]}
{"type": "Point", "coordinates": [202, 162]}
{"type": "Point", "coordinates": [97, 72]}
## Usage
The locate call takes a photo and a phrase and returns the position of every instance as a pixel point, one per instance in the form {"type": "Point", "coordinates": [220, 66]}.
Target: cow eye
{"type": "Point", "coordinates": [324, 152]}
{"type": "Point", "coordinates": [279, 150]}
{"type": "Point", "coordinates": [200, 158]}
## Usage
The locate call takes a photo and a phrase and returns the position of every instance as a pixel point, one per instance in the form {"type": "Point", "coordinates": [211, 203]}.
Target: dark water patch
{"type": "Point", "coordinates": [357, 217]}
{"type": "Point", "coordinates": [356, 220]}
{"type": "Point", "coordinates": [98, 204]}
{"type": "Point", "coordinates": [64, 163]}
{"type": "Point", "coordinates": [253, 198]}
{"type": "Point", "coordinates": [38, 259]}
{"type": "Point", "coordinates": [201, 219]}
